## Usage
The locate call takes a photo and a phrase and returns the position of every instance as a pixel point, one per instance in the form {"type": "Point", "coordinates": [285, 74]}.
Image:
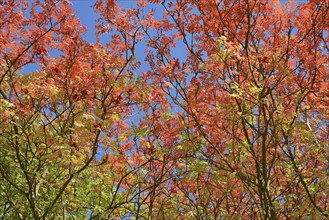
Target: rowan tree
{"type": "Point", "coordinates": [127, 128]}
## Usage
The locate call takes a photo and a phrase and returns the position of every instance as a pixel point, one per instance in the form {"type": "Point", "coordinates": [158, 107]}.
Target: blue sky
{"type": "Point", "coordinates": [87, 16]}
{"type": "Point", "coordinates": [84, 11]}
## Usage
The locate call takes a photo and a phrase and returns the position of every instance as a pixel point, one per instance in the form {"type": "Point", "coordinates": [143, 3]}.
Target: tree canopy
{"type": "Point", "coordinates": [125, 128]}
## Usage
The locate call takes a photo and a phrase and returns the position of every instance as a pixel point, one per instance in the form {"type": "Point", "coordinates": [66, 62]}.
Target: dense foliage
{"type": "Point", "coordinates": [129, 128]}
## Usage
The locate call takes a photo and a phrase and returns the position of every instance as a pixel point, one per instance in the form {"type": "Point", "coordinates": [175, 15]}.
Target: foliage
{"type": "Point", "coordinates": [236, 129]}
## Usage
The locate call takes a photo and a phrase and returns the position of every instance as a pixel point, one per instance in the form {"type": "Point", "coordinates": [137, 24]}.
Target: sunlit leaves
{"type": "Point", "coordinates": [224, 114]}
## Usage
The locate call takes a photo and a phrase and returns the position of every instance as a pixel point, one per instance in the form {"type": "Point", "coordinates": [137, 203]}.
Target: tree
{"type": "Point", "coordinates": [238, 128]}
